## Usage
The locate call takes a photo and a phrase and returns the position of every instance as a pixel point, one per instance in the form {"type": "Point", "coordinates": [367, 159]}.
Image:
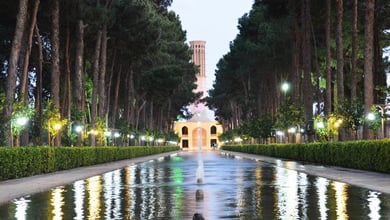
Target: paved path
{"type": "Point", "coordinates": [12, 189]}
{"type": "Point", "coordinates": [365, 179]}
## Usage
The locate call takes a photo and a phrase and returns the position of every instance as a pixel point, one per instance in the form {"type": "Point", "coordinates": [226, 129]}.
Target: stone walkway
{"type": "Point", "coordinates": [12, 189]}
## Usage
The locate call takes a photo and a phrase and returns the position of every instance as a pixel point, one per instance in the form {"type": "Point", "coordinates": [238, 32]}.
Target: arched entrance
{"type": "Point", "coordinates": [198, 137]}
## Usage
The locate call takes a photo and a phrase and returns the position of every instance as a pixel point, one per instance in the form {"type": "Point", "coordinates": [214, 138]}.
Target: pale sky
{"type": "Point", "coordinates": [214, 21]}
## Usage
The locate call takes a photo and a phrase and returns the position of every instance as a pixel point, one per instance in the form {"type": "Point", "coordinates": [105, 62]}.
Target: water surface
{"type": "Point", "coordinates": [230, 188]}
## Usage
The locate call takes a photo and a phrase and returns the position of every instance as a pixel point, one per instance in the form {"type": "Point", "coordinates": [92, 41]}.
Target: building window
{"type": "Point", "coordinates": [184, 131]}
{"type": "Point", "coordinates": [213, 130]}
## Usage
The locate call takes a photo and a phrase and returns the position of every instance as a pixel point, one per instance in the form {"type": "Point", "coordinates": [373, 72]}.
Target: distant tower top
{"type": "Point", "coordinates": [199, 56]}
{"type": "Point", "coordinates": [199, 59]}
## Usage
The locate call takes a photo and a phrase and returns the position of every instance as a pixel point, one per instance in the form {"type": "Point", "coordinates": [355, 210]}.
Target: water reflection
{"type": "Point", "coordinates": [374, 205]}
{"type": "Point", "coordinates": [56, 203]}
{"type": "Point", "coordinates": [21, 208]}
{"type": "Point", "coordinates": [341, 197]}
{"type": "Point", "coordinates": [322, 185]}
{"type": "Point", "coordinates": [233, 188]}
{"type": "Point", "coordinates": [78, 188]}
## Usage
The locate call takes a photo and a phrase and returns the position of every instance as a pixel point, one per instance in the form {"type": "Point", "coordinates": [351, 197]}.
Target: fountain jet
{"type": "Point", "coordinates": [199, 170]}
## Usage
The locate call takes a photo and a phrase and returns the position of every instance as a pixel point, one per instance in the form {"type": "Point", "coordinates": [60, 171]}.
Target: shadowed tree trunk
{"type": "Point", "coordinates": [368, 63]}
{"type": "Point", "coordinates": [354, 49]}
{"type": "Point", "coordinates": [78, 81]}
{"type": "Point", "coordinates": [38, 98]}
{"type": "Point", "coordinates": [102, 75]}
{"type": "Point", "coordinates": [306, 47]}
{"type": "Point", "coordinates": [339, 99]}
{"type": "Point", "coordinates": [95, 86]}
{"type": "Point", "coordinates": [296, 80]}
{"type": "Point", "coordinates": [24, 76]}
{"type": "Point", "coordinates": [66, 93]}
{"type": "Point", "coordinates": [328, 70]}
{"type": "Point", "coordinates": [55, 62]}
{"type": "Point", "coordinates": [13, 68]}
{"type": "Point", "coordinates": [339, 52]}
{"type": "Point", "coordinates": [24, 94]}
{"type": "Point", "coordinates": [116, 96]}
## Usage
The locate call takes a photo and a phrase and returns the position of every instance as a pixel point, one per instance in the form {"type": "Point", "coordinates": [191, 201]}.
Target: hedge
{"type": "Point", "coordinates": [372, 155]}
{"type": "Point", "coordinates": [16, 162]}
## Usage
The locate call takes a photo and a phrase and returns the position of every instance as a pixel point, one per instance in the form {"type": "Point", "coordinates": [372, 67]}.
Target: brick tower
{"type": "Point", "coordinates": [199, 132]}
{"type": "Point", "coordinates": [199, 59]}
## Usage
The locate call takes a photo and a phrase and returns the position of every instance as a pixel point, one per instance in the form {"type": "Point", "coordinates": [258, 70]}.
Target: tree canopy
{"type": "Point", "coordinates": [121, 65]}
{"type": "Point", "coordinates": [285, 41]}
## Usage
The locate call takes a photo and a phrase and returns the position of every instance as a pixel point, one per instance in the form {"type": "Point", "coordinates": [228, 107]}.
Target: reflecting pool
{"type": "Point", "coordinates": [231, 188]}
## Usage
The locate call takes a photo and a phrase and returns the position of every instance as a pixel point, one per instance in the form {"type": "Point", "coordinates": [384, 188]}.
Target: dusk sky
{"type": "Point", "coordinates": [214, 21]}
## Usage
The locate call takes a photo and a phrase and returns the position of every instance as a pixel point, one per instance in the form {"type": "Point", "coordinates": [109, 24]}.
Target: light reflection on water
{"type": "Point", "coordinates": [232, 189]}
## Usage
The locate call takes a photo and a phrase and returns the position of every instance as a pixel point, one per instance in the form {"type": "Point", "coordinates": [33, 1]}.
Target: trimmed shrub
{"type": "Point", "coordinates": [372, 155]}
{"type": "Point", "coordinates": [16, 162]}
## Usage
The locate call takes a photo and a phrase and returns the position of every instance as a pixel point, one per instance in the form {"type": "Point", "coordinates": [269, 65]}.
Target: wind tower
{"type": "Point", "coordinates": [200, 130]}
{"type": "Point", "coordinates": [198, 48]}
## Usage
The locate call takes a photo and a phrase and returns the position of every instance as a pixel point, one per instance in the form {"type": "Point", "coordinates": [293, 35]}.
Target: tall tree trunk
{"type": "Point", "coordinates": [328, 70]}
{"type": "Point", "coordinates": [339, 52]}
{"type": "Point", "coordinates": [95, 86]}
{"type": "Point", "coordinates": [306, 46]}
{"type": "Point", "coordinates": [137, 119]}
{"type": "Point", "coordinates": [151, 115]}
{"type": "Point", "coordinates": [128, 98]}
{"type": "Point", "coordinates": [24, 76]}
{"type": "Point", "coordinates": [102, 76]}
{"type": "Point", "coordinates": [113, 62]}
{"type": "Point", "coordinates": [368, 63]}
{"type": "Point", "coordinates": [295, 59]}
{"type": "Point", "coordinates": [13, 68]}
{"type": "Point", "coordinates": [168, 115]}
{"type": "Point", "coordinates": [379, 76]}
{"type": "Point", "coordinates": [38, 98]}
{"type": "Point", "coordinates": [66, 94]}
{"type": "Point", "coordinates": [340, 60]}
{"type": "Point", "coordinates": [354, 49]}
{"type": "Point", "coordinates": [55, 62]}
{"type": "Point", "coordinates": [133, 101]}
{"type": "Point", "coordinates": [24, 94]}
{"type": "Point", "coordinates": [116, 96]}
{"type": "Point", "coordinates": [78, 84]}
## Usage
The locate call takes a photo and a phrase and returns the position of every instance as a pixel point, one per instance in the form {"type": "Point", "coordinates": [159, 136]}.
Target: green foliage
{"type": "Point", "coordinates": [28, 161]}
{"type": "Point", "coordinates": [52, 118]}
{"type": "Point", "coordinates": [320, 126]}
{"type": "Point", "coordinates": [352, 113]}
{"type": "Point", "coordinates": [228, 136]}
{"type": "Point", "coordinates": [269, 48]}
{"type": "Point", "coordinates": [288, 115]}
{"type": "Point", "coordinates": [328, 128]}
{"type": "Point", "coordinates": [375, 122]}
{"type": "Point", "coordinates": [21, 114]}
{"type": "Point", "coordinates": [363, 155]}
{"type": "Point", "coordinates": [258, 127]}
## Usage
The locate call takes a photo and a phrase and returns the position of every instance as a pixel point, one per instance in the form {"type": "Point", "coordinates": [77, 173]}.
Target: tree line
{"type": "Point", "coordinates": [99, 64]}
{"type": "Point", "coordinates": [329, 52]}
